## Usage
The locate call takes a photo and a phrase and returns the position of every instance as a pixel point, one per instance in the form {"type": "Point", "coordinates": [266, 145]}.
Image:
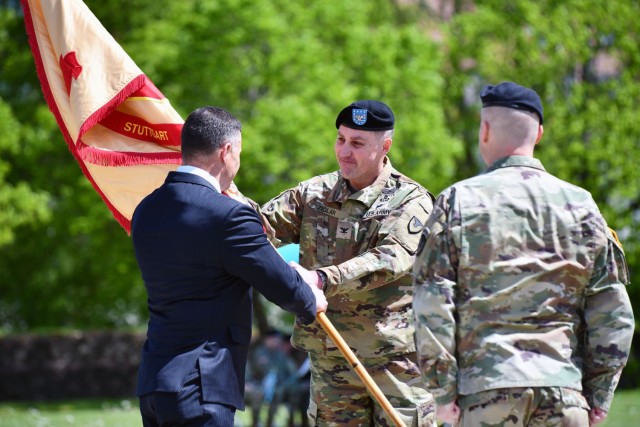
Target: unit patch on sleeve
{"type": "Point", "coordinates": [414, 226]}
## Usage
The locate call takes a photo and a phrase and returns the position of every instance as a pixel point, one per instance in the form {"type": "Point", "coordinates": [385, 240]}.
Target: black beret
{"type": "Point", "coordinates": [512, 95]}
{"type": "Point", "coordinates": [366, 115]}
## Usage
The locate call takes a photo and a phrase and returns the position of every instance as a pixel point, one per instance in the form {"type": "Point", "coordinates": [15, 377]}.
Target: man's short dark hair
{"type": "Point", "coordinates": [206, 130]}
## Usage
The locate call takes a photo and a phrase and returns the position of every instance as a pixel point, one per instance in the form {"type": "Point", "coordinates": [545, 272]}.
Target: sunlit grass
{"type": "Point", "coordinates": [625, 412]}
{"type": "Point", "coordinates": [84, 413]}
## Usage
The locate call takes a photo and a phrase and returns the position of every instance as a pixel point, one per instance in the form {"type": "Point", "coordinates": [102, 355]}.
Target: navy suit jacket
{"type": "Point", "coordinates": [200, 252]}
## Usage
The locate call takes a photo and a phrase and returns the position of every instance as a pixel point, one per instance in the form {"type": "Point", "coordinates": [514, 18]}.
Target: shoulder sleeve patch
{"type": "Point", "coordinates": [415, 225]}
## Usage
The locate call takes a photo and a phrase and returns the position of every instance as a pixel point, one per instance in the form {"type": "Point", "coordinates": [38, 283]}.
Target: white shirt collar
{"type": "Point", "coordinates": [201, 173]}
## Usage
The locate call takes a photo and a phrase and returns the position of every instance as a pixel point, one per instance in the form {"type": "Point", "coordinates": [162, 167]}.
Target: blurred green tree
{"type": "Point", "coordinates": [285, 69]}
{"type": "Point", "coordinates": [582, 57]}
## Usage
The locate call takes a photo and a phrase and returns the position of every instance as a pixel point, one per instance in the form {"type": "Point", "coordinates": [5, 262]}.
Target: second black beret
{"type": "Point", "coordinates": [512, 95]}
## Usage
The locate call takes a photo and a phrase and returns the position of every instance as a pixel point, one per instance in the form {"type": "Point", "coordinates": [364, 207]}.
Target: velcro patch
{"type": "Point", "coordinates": [415, 226]}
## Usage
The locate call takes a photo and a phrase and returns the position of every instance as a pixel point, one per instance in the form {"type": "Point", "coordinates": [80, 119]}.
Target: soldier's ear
{"type": "Point", "coordinates": [540, 132]}
{"type": "Point", "coordinates": [386, 144]}
{"type": "Point", "coordinates": [485, 127]}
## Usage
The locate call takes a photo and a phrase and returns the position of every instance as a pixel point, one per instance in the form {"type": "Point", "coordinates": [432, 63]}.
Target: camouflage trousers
{"type": "Point", "coordinates": [531, 407]}
{"type": "Point", "coordinates": [340, 398]}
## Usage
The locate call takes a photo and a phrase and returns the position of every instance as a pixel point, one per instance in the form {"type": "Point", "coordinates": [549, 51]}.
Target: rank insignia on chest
{"type": "Point", "coordinates": [344, 230]}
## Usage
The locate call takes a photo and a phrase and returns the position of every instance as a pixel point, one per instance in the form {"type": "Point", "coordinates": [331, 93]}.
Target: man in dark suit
{"type": "Point", "coordinates": [200, 253]}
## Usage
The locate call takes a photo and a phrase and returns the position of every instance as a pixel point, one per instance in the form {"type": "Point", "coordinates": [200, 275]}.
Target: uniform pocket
{"type": "Point", "coordinates": [324, 243]}
{"type": "Point", "coordinates": [571, 397]}
{"type": "Point", "coordinates": [426, 413]}
{"type": "Point", "coordinates": [471, 401]}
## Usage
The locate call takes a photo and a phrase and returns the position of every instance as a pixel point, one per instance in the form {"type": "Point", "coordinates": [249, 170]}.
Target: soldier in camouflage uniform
{"type": "Point", "coordinates": [522, 314]}
{"type": "Point", "coordinates": [358, 230]}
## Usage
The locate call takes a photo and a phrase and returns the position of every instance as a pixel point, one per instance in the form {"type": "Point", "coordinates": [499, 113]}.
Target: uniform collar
{"type": "Point", "coordinates": [511, 161]}
{"type": "Point", "coordinates": [341, 192]}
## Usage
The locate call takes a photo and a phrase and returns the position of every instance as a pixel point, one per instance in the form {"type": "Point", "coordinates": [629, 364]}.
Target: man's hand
{"type": "Point", "coordinates": [596, 416]}
{"type": "Point", "coordinates": [321, 300]}
{"type": "Point", "coordinates": [449, 413]}
{"type": "Point", "coordinates": [310, 276]}
{"type": "Point", "coordinates": [312, 279]}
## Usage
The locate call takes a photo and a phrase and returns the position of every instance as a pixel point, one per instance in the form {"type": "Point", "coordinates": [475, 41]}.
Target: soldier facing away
{"type": "Point", "coordinates": [521, 311]}
{"type": "Point", "coordinates": [358, 230]}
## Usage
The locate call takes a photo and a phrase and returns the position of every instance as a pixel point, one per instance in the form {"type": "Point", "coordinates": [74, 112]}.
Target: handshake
{"type": "Point", "coordinates": [313, 279]}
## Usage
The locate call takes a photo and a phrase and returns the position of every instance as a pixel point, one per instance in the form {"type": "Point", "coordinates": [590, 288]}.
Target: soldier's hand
{"type": "Point", "coordinates": [449, 413]}
{"type": "Point", "coordinates": [596, 416]}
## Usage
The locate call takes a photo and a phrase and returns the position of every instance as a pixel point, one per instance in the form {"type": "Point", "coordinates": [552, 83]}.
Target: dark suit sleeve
{"type": "Point", "coordinates": [249, 255]}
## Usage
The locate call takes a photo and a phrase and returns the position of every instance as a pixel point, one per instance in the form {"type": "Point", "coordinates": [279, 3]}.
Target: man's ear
{"type": "Point", "coordinates": [540, 132]}
{"type": "Point", "coordinates": [386, 145]}
{"type": "Point", "coordinates": [224, 152]}
{"type": "Point", "coordinates": [485, 127]}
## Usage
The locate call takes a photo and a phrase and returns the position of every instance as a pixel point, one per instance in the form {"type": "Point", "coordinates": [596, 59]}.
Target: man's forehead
{"type": "Point", "coordinates": [349, 133]}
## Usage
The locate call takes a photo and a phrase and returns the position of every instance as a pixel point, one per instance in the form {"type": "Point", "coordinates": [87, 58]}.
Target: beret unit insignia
{"type": "Point", "coordinates": [359, 116]}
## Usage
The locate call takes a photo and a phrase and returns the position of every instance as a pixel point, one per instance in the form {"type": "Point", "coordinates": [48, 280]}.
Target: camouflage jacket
{"type": "Point", "coordinates": [520, 283]}
{"type": "Point", "coordinates": [365, 243]}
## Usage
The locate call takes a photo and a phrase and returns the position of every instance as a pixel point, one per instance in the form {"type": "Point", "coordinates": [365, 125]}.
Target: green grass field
{"type": "Point", "coordinates": [625, 412]}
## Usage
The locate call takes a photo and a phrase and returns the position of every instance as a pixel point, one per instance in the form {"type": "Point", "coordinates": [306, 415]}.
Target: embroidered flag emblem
{"type": "Point", "coordinates": [70, 68]}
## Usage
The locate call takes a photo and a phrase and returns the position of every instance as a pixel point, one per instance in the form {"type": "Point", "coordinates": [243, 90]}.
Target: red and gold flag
{"type": "Point", "coordinates": [123, 132]}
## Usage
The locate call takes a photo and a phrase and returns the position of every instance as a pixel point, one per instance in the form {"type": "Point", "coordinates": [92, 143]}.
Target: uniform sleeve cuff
{"type": "Point", "coordinates": [332, 274]}
{"type": "Point", "coordinates": [600, 398]}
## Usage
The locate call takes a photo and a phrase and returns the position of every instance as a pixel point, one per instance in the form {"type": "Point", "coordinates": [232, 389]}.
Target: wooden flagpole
{"type": "Point", "coordinates": [360, 370]}
{"type": "Point", "coordinates": [357, 366]}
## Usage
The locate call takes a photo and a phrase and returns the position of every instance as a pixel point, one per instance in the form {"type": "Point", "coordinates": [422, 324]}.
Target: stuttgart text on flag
{"type": "Point", "coordinates": [121, 129]}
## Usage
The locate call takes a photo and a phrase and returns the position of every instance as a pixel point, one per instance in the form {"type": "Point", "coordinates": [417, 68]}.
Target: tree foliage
{"type": "Point", "coordinates": [581, 56]}
{"type": "Point", "coordinates": [286, 69]}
